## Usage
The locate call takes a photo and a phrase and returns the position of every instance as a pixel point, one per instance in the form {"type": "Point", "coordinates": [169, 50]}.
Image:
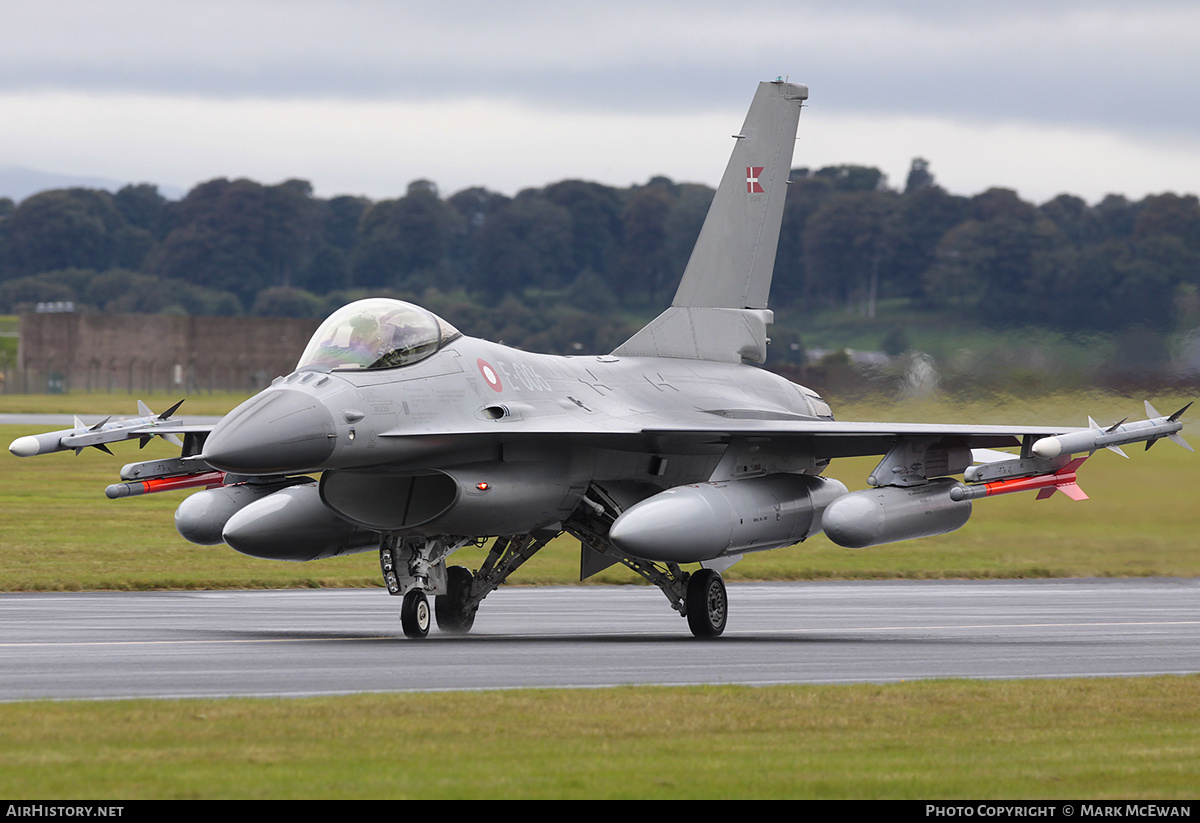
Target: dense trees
{"type": "Point", "coordinates": [578, 249]}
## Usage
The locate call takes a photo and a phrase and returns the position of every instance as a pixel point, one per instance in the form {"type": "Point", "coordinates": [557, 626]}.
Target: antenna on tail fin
{"type": "Point", "coordinates": [720, 310]}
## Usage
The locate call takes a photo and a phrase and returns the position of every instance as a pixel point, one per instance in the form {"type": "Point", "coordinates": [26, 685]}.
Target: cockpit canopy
{"type": "Point", "coordinates": [377, 333]}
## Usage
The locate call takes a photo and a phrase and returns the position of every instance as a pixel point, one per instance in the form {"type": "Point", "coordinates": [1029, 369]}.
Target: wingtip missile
{"type": "Point", "coordinates": [1094, 437]}
{"type": "Point", "coordinates": [96, 435]}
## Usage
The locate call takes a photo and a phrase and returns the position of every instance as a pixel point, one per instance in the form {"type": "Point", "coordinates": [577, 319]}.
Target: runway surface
{"type": "Point", "coordinates": [322, 642]}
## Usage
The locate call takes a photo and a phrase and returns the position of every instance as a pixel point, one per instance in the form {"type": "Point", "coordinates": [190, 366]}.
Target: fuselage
{"type": "Point", "coordinates": [558, 423]}
{"type": "Point", "coordinates": [482, 394]}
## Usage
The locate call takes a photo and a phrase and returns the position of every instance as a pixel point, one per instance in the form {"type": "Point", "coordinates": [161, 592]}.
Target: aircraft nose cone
{"type": "Point", "coordinates": [278, 431]}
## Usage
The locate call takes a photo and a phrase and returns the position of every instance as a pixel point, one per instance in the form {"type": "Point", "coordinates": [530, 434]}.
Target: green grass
{"type": "Point", "coordinates": [1142, 521]}
{"type": "Point", "coordinates": [93, 405]}
{"type": "Point", "coordinates": [1104, 738]}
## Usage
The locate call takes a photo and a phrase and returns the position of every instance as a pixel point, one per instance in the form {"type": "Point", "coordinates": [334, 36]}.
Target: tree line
{"type": "Point", "coordinates": [571, 264]}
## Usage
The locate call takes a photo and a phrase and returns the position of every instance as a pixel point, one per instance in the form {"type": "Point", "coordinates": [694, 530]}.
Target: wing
{"type": "Point", "coordinates": [830, 439]}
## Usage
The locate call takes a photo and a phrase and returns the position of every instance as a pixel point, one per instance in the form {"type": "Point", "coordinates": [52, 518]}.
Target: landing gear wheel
{"type": "Point", "coordinates": [707, 604]}
{"type": "Point", "coordinates": [414, 614]}
{"type": "Point", "coordinates": [450, 608]}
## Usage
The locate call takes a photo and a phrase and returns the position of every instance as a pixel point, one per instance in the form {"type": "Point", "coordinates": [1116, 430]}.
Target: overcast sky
{"type": "Point", "coordinates": [363, 96]}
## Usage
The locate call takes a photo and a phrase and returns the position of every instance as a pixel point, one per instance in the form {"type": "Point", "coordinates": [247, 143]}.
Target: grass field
{"type": "Point", "coordinates": [1123, 738]}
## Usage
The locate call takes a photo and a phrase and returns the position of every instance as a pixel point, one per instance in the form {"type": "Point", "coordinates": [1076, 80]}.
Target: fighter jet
{"type": "Point", "coordinates": [676, 449]}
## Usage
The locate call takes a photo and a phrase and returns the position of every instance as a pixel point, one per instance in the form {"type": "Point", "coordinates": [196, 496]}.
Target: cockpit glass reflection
{"type": "Point", "coordinates": [378, 333]}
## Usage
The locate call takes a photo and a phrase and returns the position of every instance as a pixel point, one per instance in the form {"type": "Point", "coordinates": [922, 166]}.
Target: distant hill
{"type": "Point", "coordinates": [18, 183]}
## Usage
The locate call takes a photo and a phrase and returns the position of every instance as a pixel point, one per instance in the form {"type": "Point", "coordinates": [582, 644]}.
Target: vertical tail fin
{"type": "Point", "coordinates": [720, 310]}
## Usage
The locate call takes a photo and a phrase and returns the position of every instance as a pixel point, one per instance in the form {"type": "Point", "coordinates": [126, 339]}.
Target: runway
{"type": "Point", "coordinates": [328, 642]}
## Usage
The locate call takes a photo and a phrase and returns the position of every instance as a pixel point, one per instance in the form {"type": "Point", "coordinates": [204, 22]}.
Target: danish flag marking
{"type": "Point", "coordinates": [752, 186]}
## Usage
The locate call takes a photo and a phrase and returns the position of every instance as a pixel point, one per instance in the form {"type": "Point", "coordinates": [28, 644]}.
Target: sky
{"type": "Point", "coordinates": [363, 96]}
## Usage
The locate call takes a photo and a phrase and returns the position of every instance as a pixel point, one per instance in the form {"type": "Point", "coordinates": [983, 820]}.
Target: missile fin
{"type": "Point", "coordinates": [172, 439]}
{"type": "Point", "coordinates": [1175, 417]}
{"type": "Point", "coordinates": [1073, 465]}
{"type": "Point", "coordinates": [1117, 449]}
{"type": "Point", "coordinates": [165, 415]}
{"type": "Point", "coordinates": [1072, 491]}
{"type": "Point", "coordinates": [1177, 438]}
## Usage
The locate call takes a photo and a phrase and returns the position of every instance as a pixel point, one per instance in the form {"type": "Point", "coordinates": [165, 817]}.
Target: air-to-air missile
{"type": "Point", "coordinates": [1120, 434]}
{"type": "Point", "coordinates": [1050, 468]}
{"type": "Point", "coordinates": [106, 431]}
{"type": "Point", "coordinates": [205, 479]}
{"type": "Point", "coordinates": [887, 514]}
{"type": "Point", "coordinates": [142, 478]}
{"type": "Point", "coordinates": [1047, 483]}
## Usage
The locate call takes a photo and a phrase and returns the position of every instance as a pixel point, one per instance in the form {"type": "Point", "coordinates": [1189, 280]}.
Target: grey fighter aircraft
{"type": "Point", "coordinates": [672, 450]}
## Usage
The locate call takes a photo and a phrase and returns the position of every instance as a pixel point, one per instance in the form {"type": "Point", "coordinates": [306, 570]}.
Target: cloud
{"type": "Point", "coordinates": [1063, 62]}
{"type": "Point", "coordinates": [246, 87]}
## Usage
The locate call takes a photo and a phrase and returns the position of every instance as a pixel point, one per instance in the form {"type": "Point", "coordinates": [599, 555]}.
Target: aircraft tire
{"type": "Point", "coordinates": [449, 608]}
{"type": "Point", "coordinates": [414, 614]}
{"type": "Point", "coordinates": [707, 604]}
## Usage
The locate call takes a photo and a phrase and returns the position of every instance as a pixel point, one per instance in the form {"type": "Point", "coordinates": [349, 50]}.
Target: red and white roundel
{"type": "Point", "coordinates": [489, 374]}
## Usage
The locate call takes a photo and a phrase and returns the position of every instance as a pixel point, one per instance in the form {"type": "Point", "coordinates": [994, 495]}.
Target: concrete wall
{"type": "Point", "coordinates": [151, 352]}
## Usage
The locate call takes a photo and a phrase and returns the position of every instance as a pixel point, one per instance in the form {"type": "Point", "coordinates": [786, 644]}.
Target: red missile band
{"type": "Point", "coordinates": [166, 484]}
{"type": "Point", "coordinates": [1062, 480]}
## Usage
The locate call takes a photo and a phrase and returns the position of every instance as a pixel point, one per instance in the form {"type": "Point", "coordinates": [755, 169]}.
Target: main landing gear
{"type": "Point", "coordinates": [699, 596]}
{"type": "Point", "coordinates": [415, 569]}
